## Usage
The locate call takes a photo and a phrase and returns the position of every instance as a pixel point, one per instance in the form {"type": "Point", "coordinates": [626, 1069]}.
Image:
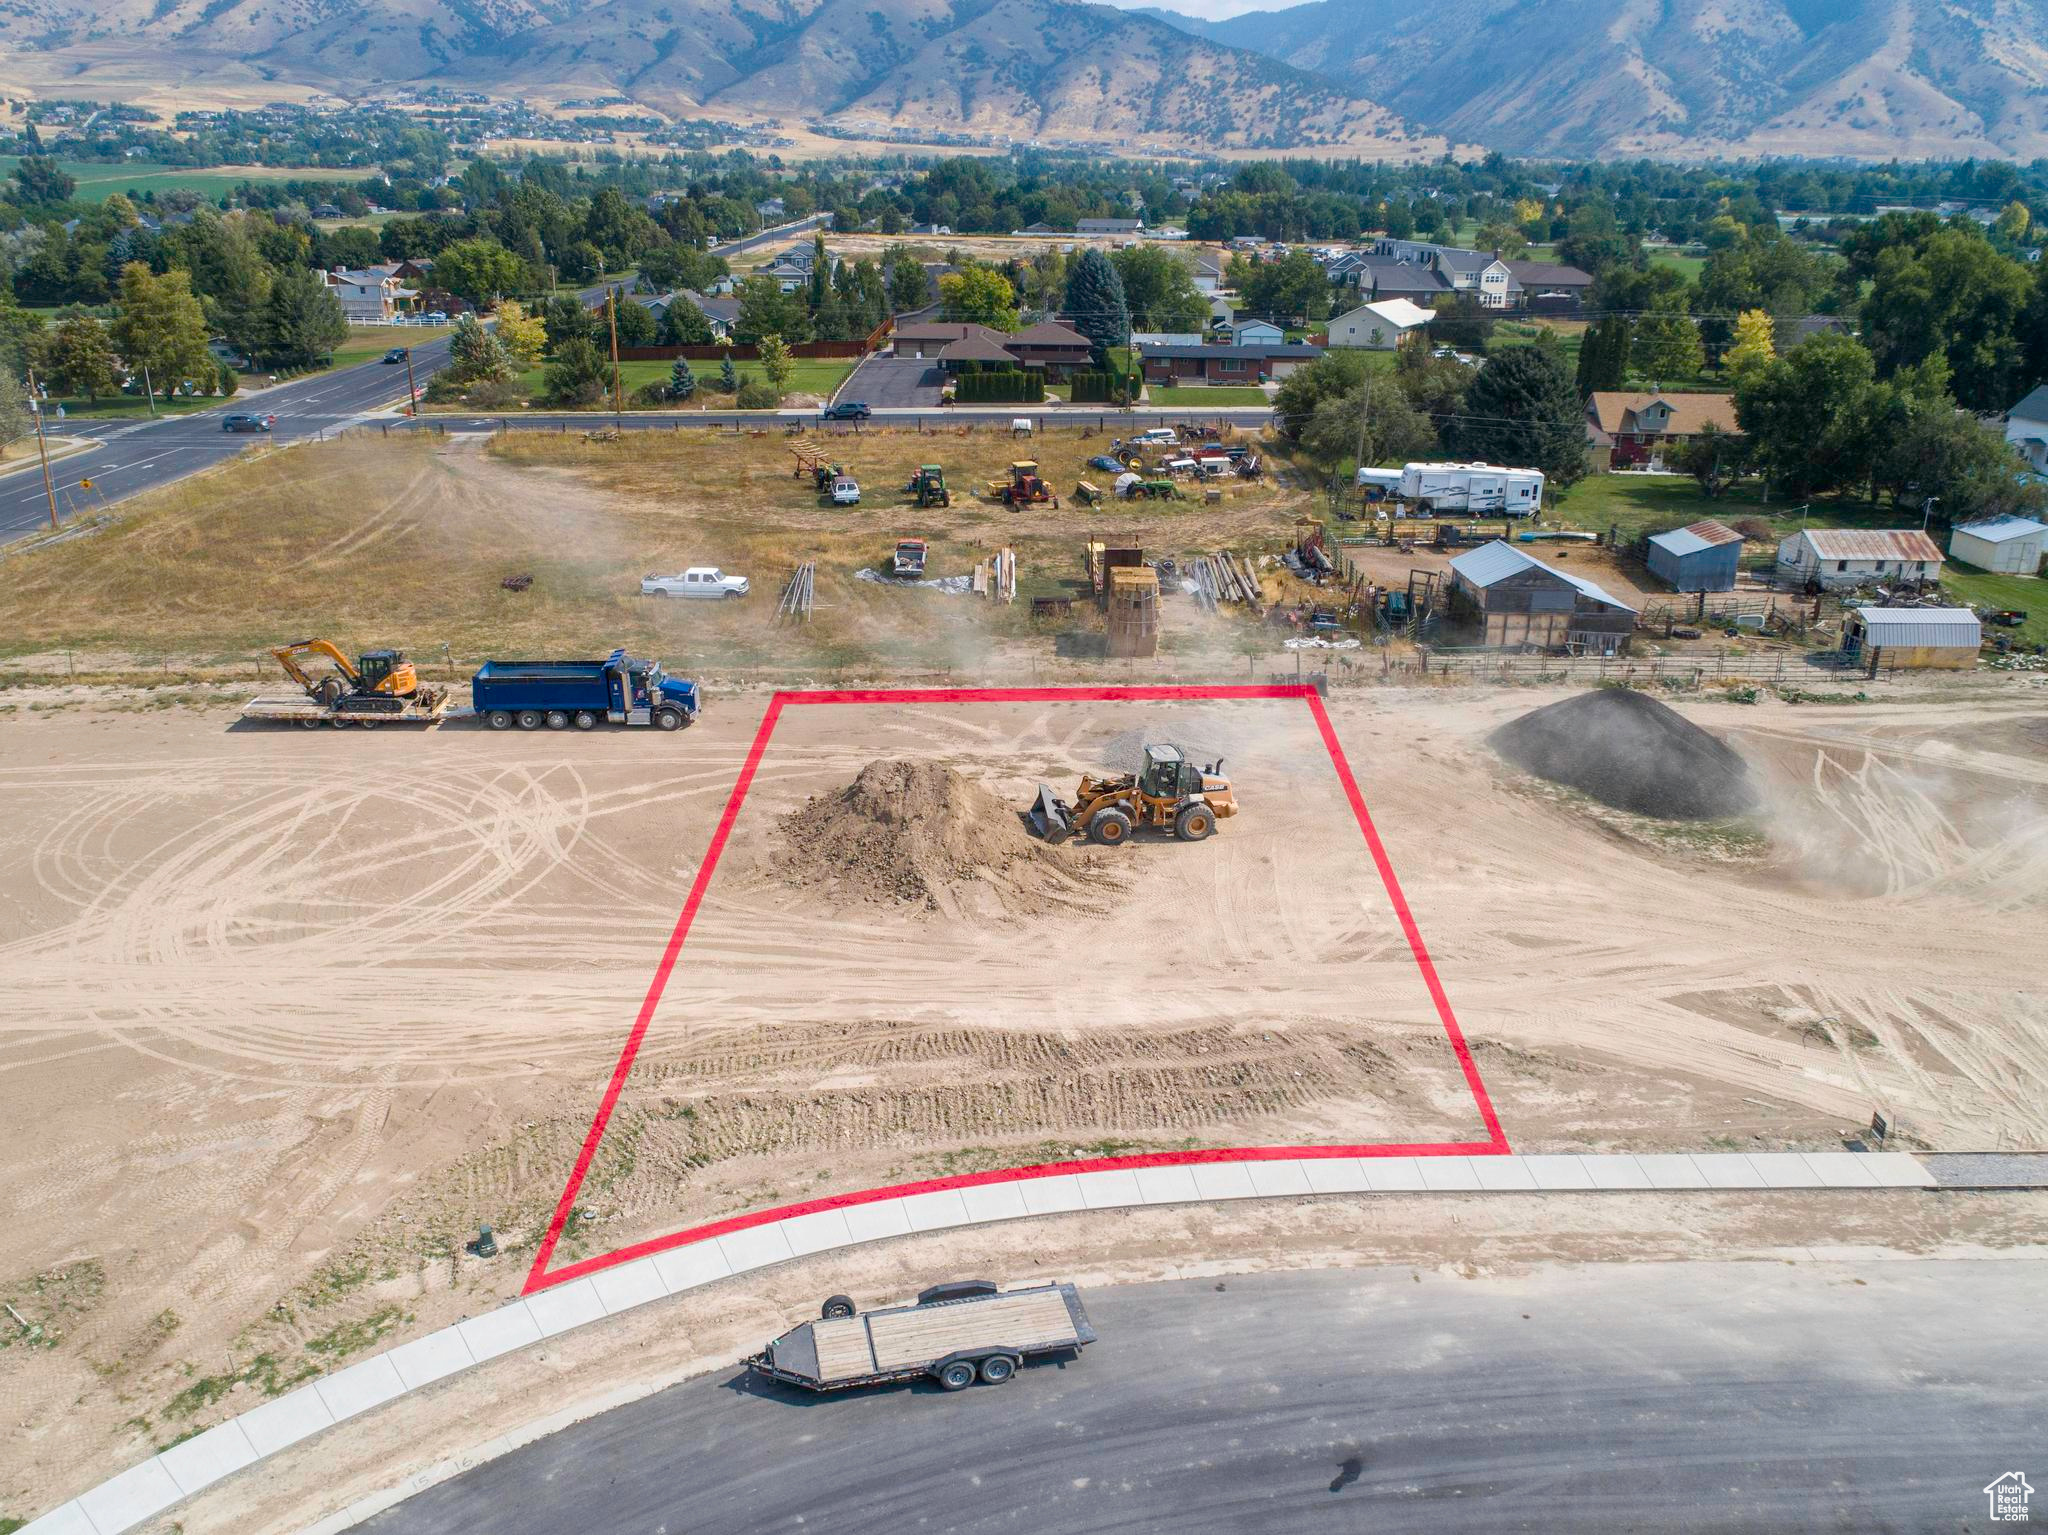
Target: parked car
{"type": "Point", "coordinates": [846, 410]}
{"type": "Point", "coordinates": [242, 421]}
{"type": "Point", "coordinates": [1157, 436]}
{"type": "Point", "coordinates": [697, 581]}
{"type": "Point", "coordinates": [398, 354]}
{"type": "Point", "coordinates": [846, 491]}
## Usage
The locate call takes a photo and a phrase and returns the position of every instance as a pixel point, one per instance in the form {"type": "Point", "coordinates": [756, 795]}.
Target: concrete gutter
{"type": "Point", "coordinates": [142, 1492]}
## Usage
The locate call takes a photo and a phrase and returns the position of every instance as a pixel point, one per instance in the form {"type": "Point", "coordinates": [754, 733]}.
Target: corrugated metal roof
{"type": "Point", "coordinates": [1999, 530]}
{"type": "Point", "coordinates": [1495, 561]}
{"type": "Point", "coordinates": [1872, 544]}
{"type": "Point", "coordinates": [1922, 626]}
{"type": "Point", "coordinates": [1695, 537]}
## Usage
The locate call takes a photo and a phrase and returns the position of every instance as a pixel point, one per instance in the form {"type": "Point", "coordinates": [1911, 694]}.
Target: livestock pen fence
{"type": "Point", "coordinates": [1660, 671]}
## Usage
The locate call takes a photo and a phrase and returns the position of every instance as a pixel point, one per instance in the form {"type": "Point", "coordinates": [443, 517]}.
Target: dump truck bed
{"type": "Point", "coordinates": [902, 1342]}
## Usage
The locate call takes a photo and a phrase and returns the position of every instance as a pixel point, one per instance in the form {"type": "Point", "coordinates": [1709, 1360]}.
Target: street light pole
{"type": "Point", "coordinates": [43, 448]}
{"type": "Point", "coordinates": [1927, 511]}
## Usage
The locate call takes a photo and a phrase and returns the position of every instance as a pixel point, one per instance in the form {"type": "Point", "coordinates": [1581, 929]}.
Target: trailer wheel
{"type": "Point", "coordinates": [957, 1376]}
{"type": "Point", "coordinates": [500, 719]}
{"type": "Point", "coordinates": [835, 1308]}
{"type": "Point", "coordinates": [585, 720]}
{"type": "Point", "coordinates": [1194, 823]}
{"type": "Point", "coordinates": [557, 720]}
{"type": "Point", "coordinates": [529, 719]}
{"type": "Point", "coordinates": [998, 1368]}
{"type": "Point", "coordinates": [669, 719]}
{"type": "Point", "coordinates": [1110, 827]}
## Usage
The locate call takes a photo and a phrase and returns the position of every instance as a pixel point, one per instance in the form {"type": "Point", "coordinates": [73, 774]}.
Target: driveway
{"type": "Point", "coordinates": [899, 383]}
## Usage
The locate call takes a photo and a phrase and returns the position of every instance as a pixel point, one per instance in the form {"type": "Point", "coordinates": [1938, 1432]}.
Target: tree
{"type": "Point", "coordinates": [1666, 345]}
{"type": "Point", "coordinates": [1953, 294]}
{"type": "Point", "coordinates": [565, 320]}
{"type": "Point", "coordinates": [636, 322]}
{"type": "Point", "coordinates": [1972, 473]}
{"type": "Point", "coordinates": [684, 324]}
{"type": "Point", "coordinates": [678, 265]}
{"type": "Point", "coordinates": [728, 376]}
{"type": "Point", "coordinates": [1464, 322]}
{"type": "Point", "coordinates": [1292, 289]}
{"type": "Point", "coordinates": [1503, 238]}
{"type": "Point", "coordinates": [821, 269]}
{"type": "Point", "coordinates": [1604, 355]}
{"type": "Point", "coordinates": [229, 381]}
{"type": "Point", "coordinates": [1331, 376]}
{"type": "Point", "coordinates": [682, 383]}
{"type": "Point", "coordinates": [1522, 411]}
{"type": "Point", "coordinates": [523, 336]}
{"type": "Point", "coordinates": [776, 363]}
{"type": "Point", "coordinates": [577, 374]}
{"type": "Point", "coordinates": [162, 327]}
{"type": "Point", "coordinates": [16, 419]}
{"type": "Point", "coordinates": [1806, 415]}
{"type": "Point", "coordinates": [1394, 430]}
{"type": "Point", "coordinates": [1714, 457]}
{"type": "Point", "coordinates": [303, 320]}
{"type": "Point", "coordinates": [475, 355]}
{"type": "Point", "coordinates": [2013, 222]}
{"type": "Point", "coordinates": [479, 270]}
{"type": "Point", "coordinates": [231, 277]}
{"type": "Point", "coordinates": [979, 295]}
{"type": "Point", "coordinates": [910, 285]}
{"type": "Point", "coordinates": [1096, 306]}
{"type": "Point", "coordinates": [1159, 289]}
{"type": "Point", "coordinates": [39, 182]}
{"type": "Point", "coordinates": [1754, 345]}
{"type": "Point", "coordinates": [79, 358]}
{"type": "Point", "coordinates": [765, 310]}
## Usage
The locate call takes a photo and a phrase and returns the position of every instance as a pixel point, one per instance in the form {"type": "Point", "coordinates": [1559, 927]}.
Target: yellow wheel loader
{"type": "Point", "coordinates": [1169, 793]}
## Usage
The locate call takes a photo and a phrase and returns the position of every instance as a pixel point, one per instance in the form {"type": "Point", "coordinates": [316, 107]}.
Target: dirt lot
{"type": "Point", "coordinates": [292, 1012]}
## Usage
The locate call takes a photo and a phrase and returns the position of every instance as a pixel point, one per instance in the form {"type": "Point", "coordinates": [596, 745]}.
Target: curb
{"type": "Point", "coordinates": [81, 445]}
{"type": "Point", "coordinates": [144, 1491]}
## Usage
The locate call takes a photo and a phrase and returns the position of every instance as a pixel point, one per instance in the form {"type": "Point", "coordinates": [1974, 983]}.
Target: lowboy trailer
{"type": "Point", "coordinates": [955, 1334]}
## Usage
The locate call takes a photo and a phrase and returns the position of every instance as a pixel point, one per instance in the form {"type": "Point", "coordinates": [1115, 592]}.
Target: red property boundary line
{"type": "Point", "coordinates": [539, 1276]}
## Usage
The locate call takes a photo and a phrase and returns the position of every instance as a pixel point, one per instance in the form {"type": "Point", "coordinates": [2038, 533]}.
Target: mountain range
{"type": "Point", "coordinates": [1394, 79]}
{"type": "Point", "coordinates": [1692, 78]}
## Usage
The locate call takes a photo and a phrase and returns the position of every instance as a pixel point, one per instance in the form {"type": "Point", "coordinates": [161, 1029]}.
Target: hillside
{"type": "Point", "coordinates": [1874, 78]}
{"type": "Point", "coordinates": [1042, 69]}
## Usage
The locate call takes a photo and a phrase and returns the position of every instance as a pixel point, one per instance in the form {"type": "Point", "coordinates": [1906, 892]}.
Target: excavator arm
{"type": "Point", "coordinates": [292, 657]}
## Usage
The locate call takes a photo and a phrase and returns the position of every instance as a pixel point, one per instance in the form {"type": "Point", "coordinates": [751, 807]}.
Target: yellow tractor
{"type": "Point", "coordinates": [381, 681]}
{"type": "Point", "coordinates": [1170, 792]}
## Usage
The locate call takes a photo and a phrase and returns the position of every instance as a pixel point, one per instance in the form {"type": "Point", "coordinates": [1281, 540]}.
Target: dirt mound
{"type": "Point", "coordinates": [919, 833]}
{"type": "Point", "coordinates": [1630, 751]}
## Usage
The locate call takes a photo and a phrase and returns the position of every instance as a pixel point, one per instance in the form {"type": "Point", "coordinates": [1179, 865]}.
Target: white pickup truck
{"type": "Point", "coordinates": [697, 581]}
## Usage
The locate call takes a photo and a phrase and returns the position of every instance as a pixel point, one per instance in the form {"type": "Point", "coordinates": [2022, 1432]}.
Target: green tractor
{"type": "Point", "coordinates": [928, 486]}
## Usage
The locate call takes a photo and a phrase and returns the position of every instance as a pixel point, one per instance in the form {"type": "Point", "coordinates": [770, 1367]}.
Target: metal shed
{"type": "Point", "coordinates": [1700, 557]}
{"type": "Point", "coordinates": [1914, 637]}
{"type": "Point", "coordinates": [2009, 545]}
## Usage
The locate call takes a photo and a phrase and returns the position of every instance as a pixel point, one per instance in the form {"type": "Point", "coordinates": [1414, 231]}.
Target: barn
{"type": "Point", "coordinates": [1512, 599]}
{"type": "Point", "coordinates": [1700, 557]}
{"type": "Point", "coordinates": [2010, 545]}
{"type": "Point", "coordinates": [1922, 638]}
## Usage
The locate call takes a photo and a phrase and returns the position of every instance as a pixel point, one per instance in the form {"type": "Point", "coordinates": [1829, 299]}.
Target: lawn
{"type": "Point", "coordinates": [1980, 588]}
{"type": "Point", "coordinates": [98, 180]}
{"type": "Point", "coordinates": [1570, 334]}
{"type": "Point", "coordinates": [812, 375]}
{"type": "Point", "coordinates": [1650, 503]}
{"type": "Point", "coordinates": [1218, 395]}
{"type": "Point", "coordinates": [119, 407]}
{"type": "Point", "coordinates": [1689, 267]}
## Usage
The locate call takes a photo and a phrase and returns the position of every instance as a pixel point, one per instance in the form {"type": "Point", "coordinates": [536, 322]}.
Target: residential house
{"type": "Point", "coordinates": [2009, 545]}
{"type": "Point", "coordinates": [1212, 363]}
{"type": "Point", "coordinates": [326, 211]}
{"type": "Point", "coordinates": [1256, 333]}
{"type": "Point", "coordinates": [1512, 599]}
{"type": "Point", "coordinates": [1208, 272]}
{"type": "Point", "coordinates": [369, 298]}
{"type": "Point", "coordinates": [980, 346]}
{"type": "Point", "coordinates": [771, 208]}
{"type": "Point", "coordinates": [1635, 427]}
{"type": "Point", "coordinates": [1109, 226]}
{"type": "Point", "coordinates": [1700, 557]}
{"type": "Point", "coordinates": [1827, 557]}
{"type": "Point", "coordinates": [1145, 338]}
{"type": "Point", "coordinates": [1379, 327]}
{"type": "Point", "coordinates": [2026, 428]}
{"type": "Point", "coordinates": [722, 312]}
{"type": "Point", "coordinates": [1058, 349]}
{"type": "Point", "coordinates": [1547, 286]}
{"type": "Point", "coordinates": [1480, 273]}
{"type": "Point", "coordinates": [930, 338]}
{"type": "Point", "coordinates": [1380, 278]}
{"type": "Point", "coordinates": [790, 276]}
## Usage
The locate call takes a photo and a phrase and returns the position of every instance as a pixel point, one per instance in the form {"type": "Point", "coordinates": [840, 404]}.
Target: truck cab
{"type": "Point", "coordinates": [641, 693]}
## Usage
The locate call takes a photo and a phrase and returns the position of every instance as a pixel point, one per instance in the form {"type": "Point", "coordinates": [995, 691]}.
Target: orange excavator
{"type": "Point", "coordinates": [379, 685]}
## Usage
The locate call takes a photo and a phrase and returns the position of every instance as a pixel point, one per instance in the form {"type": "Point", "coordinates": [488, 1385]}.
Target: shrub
{"type": "Point", "coordinates": [757, 394]}
{"type": "Point", "coordinates": [652, 396]}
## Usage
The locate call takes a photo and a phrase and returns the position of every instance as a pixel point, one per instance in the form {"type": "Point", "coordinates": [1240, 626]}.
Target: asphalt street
{"type": "Point", "coordinates": [135, 456]}
{"type": "Point", "coordinates": [1656, 1396]}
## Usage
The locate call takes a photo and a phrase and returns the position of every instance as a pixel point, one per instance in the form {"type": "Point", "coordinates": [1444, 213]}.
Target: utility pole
{"type": "Point", "coordinates": [148, 390]}
{"type": "Point", "coordinates": [1364, 414]}
{"type": "Point", "coordinates": [43, 448]}
{"type": "Point", "coordinates": [611, 314]}
{"type": "Point", "coordinates": [1927, 511]}
{"type": "Point", "coordinates": [412, 393]}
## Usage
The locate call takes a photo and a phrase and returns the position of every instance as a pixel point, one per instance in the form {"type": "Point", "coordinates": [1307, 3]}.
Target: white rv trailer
{"type": "Point", "coordinates": [1479, 490]}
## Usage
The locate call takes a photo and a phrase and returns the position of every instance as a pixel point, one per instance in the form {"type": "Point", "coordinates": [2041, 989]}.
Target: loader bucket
{"type": "Point", "coordinates": [1048, 817]}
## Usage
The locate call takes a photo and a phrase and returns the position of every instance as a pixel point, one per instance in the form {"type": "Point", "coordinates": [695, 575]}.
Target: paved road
{"type": "Point", "coordinates": [135, 456]}
{"type": "Point", "coordinates": [1636, 1397]}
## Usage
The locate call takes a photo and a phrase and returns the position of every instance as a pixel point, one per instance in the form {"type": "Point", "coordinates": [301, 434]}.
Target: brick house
{"type": "Point", "coordinates": [1634, 426]}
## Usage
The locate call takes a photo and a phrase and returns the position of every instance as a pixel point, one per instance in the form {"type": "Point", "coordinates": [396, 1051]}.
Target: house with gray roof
{"type": "Point", "coordinates": [2026, 428]}
{"type": "Point", "coordinates": [1513, 600]}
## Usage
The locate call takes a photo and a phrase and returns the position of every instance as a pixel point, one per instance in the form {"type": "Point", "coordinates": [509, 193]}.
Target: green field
{"type": "Point", "coordinates": [98, 180]}
{"type": "Point", "coordinates": [1649, 503]}
{"type": "Point", "coordinates": [1208, 394]}
{"type": "Point", "coordinates": [1980, 588]}
{"type": "Point", "coordinates": [1689, 267]}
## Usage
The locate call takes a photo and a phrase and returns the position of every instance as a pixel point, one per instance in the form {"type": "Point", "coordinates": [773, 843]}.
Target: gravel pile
{"type": "Point", "coordinates": [1630, 751]}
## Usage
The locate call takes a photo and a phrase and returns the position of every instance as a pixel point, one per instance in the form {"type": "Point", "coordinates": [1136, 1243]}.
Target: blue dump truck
{"type": "Point", "coordinates": [558, 694]}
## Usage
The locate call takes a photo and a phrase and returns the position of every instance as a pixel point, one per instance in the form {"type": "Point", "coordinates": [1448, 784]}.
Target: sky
{"type": "Point", "coordinates": [1215, 10]}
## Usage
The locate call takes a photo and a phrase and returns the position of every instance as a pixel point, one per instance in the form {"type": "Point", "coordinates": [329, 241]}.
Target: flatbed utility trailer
{"type": "Point", "coordinates": [423, 708]}
{"type": "Point", "coordinates": [955, 1334]}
